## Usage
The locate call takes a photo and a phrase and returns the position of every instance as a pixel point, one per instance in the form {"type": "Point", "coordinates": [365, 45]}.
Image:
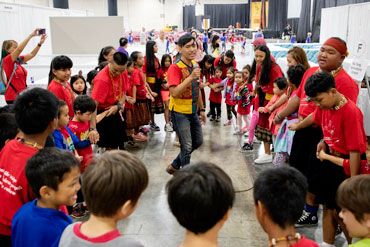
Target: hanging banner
{"type": "Point", "coordinates": [256, 14]}
{"type": "Point", "coordinates": [206, 23]}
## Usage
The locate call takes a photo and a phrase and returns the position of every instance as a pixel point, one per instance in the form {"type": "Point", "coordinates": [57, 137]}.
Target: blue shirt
{"type": "Point", "coordinates": [33, 226]}
{"type": "Point", "coordinates": [205, 40]}
{"type": "Point", "coordinates": [223, 38]}
{"type": "Point", "coordinates": [308, 40]}
{"type": "Point", "coordinates": [71, 142]}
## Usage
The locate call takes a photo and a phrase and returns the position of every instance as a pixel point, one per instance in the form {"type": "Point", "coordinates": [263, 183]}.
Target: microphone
{"type": "Point", "coordinates": [195, 66]}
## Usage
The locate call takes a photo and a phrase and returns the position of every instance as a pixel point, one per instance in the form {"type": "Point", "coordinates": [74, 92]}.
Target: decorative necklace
{"type": "Point", "coordinates": [66, 87]}
{"type": "Point", "coordinates": [341, 103]}
{"type": "Point", "coordinates": [287, 238]}
{"type": "Point", "coordinates": [31, 144]}
{"type": "Point", "coordinates": [116, 98]}
{"type": "Point", "coordinates": [334, 72]}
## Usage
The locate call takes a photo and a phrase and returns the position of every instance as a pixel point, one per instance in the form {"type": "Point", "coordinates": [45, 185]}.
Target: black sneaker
{"type": "Point", "coordinates": [155, 127]}
{"type": "Point", "coordinates": [307, 219]}
{"type": "Point", "coordinates": [218, 118]}
{"type": "Point", "coordinates": [212, 119]}
{"type": "Point", "coordinates": [209, 114]}
{"type": "Point", "coordinates": [247, 147]}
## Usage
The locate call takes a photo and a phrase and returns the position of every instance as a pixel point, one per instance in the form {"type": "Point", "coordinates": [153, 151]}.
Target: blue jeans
{"type": "Point", "coordinates": [189, 130]}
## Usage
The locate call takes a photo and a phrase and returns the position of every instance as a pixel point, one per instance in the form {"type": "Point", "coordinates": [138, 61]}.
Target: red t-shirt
{"type": "Point", "coordinates": [343, 129]}
{"type": "Point", "coordinates": [156, 66]}
{"type": "Point", "coordinates": [229, 89]}
{"type": "Point", "coordinates": [138, 80]}
{"type": "Point", "coordinates": [224, 66]}
{"type": "Point", "coordinates": [101, 239]}
{"type": "Point", "coordinates": [213, 96]}
{"type": "Point", "coordinates": [275, 72]}
{"type": "Point", "coordinates": [304, 242]}
{"type": "Point", "coordinates": [364, 167]}
{"type": "Point", "coordinates": [81, 130]}
{"type": "Point", "coordinates": [18, 80]}
{"type": "Point", "coordinates": [130, 84]}
{"type": "Point", "coordinates": [103, 88]}
{"type": "Point", "coordinates": [343, 82]}
{"type": "Point", "coordinates": [14, 188]}
{"type": "Point", "coordinates": [64, 93]}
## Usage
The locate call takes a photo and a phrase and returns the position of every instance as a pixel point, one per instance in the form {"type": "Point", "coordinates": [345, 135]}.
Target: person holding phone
{"type": "Point", "coordinates": [13, 75]}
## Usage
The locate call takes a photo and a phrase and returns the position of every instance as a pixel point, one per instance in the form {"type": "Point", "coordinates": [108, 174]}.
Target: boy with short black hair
{"type": "Point", "coordinates": [353, 196]}
{"type": "Point", "coordinates": [277, 214]}
{"type": "Point", "coordinates": [35, 114]}
{"type": "Point", "coordinates": [53, 176]}
{"type": "Point", "coordinates": [112, 185]}
{"type": "Point", "coordinates": [344, 136]}
{"type": "Point", "coordinates": [84, 106]}
{"type": "Point", "coordinates": [8, 128]}
{"type": "Point", "coordinates": [201, 196]}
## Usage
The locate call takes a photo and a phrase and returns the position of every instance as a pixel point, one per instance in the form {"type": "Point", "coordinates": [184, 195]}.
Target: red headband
{"type": "Point", "coordinates": [337, 45]}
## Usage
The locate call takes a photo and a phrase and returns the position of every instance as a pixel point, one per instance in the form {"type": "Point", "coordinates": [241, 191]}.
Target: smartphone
{"type": "Point", "coordinates": [41, 31]}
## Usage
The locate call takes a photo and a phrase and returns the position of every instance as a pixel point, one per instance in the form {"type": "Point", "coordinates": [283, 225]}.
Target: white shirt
{"type": "Point", "coordinates": [161, 48]}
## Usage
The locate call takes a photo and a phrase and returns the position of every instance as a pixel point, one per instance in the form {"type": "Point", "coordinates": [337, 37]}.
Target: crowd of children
{"type": "Point", "coordinates": [49, 135]}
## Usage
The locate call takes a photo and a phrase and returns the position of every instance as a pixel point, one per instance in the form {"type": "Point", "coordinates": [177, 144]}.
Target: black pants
{"type": "Point", "coordinates": [215, 107]}
{"type": "Point", "coordinates": [230, 110]}
{"type": "Point", "coordinates": [5, 241]}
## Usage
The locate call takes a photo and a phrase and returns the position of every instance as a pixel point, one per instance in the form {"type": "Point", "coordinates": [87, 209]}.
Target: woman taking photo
{"type": "Point", "coordinates": [11, 65]}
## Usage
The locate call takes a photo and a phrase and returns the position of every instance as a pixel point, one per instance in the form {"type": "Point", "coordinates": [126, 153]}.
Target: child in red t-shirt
{"type": "Point", "coordinates": [84, 106]}
{"type": "Point", "coordinates": [243, 99]}
{"type": "Point", "coordinates": [229, 86]}
{"type": "Point", "coordinates": [165, 92]}
{"type": "Point", "coordinates": [277, 214]}
{"type": "Point", "coordinates": [344, 136]}
{"type": "Point", "coordinates": [35, 114]}
{"type": "Point", "coordinates": [215, 96]}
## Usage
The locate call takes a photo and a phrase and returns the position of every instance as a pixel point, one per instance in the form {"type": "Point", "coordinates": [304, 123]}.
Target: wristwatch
{"type": "Point", "coordinates": [92, 129]}
{"type": "Point", "coordinates": [119, 106]}
{"type": "Point", "coordinates": [203, 110]}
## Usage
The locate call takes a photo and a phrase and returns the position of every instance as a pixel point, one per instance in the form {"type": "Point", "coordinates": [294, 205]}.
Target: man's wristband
{"type": "Point", "coordinates": [119, 106]}
{"type": "Point", "coordinates": [92, 129]}
{"type": "Point", "coordinates": [202, 110]}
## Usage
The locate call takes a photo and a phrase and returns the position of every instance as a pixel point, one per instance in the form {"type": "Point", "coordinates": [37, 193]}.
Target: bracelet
{"type": "Point", "coordinates": [203, 110]}
{"type": "Point", "coordinates": [119, 106]}
{"type": "Point", "coordinates": [92, 129]}
{"type": "Point", "coordinates": [39, 45]}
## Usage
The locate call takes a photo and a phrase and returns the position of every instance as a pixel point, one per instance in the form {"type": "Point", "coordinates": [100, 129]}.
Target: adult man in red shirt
{"type": "Point", "coordinates": [304, 148]}
{"type": "Point", "coordinates": [109, 93]}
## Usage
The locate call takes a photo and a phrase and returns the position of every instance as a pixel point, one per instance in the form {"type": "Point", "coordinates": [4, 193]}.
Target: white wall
{"type": "Point", "coordinates": [294, 8]}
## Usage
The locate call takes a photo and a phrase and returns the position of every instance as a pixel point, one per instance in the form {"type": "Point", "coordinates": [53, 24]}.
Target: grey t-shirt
{"type": "Point", "coordinates": [69, 239]}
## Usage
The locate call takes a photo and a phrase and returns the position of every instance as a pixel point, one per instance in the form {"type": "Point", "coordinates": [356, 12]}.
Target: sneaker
{"type": "Point", "coordinates": [171, 170]}
{"type": "Point", "coordinates": [212, 119]}
{"type": "Point", "coordinates": [239, 132]}
{"type": "Point", "coordinates": [209, 114]}
{"type": "Point", "coordinates": [218, 119]}
{"type": "Point", "coordinates": [247, 147]}
{"type": "Point", "coordinates": [132, 144]}
{"type": "Point", "coordinates": [77, 211]}
{"type": "Point", "coordinates": [140, 137]}
{"type": "Point", "coordinates": [145, 129]}
{"type": "Point", "coordinates": [155, 127]}
{"type": "Point", "coordinates": [228, 122]}
{"type": "Point", "coordinates": [307, 219]}
{"type": "Point", "coordinates": [264, 158]}
{"type": "Point", "coordinates": [168, 128]}
{"type": "Point", "coordinates": [245, 129]}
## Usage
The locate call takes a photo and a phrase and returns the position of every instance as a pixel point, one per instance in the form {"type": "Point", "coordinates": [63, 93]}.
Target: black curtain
{"type": "Point", "coordinates": [278, 12]}
{"type": "Point", "coordinates": [112, 8]}
{"type": "Point", "coordinates": [61, 4]}
{"type": "Point", "coordinates": [223, 15]}
{"type": "Point", "coordinates": [304, 23]}
{"type": "Point", "coordinates": [188, 16]}
{"type": "Point", "coordinates": [293, 23]}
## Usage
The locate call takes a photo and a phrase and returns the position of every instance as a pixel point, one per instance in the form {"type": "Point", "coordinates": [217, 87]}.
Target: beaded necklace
{"type": "Point", "coordinates": [287, 238]}
{"type": "Point", "coordinates": [31, 144]}
{"type": "Point", "coordinates": [116, 98]}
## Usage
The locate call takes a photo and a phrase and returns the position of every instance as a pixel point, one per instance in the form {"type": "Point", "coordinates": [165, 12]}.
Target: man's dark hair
{"type": "Point", "coordinates": [84, 103]}
{"type": "Point", "coordinates": [183, 40]}
{"type": "Point", "coordinates": [295, 74]}
{"type": "Point", "coordinates": [35, 109]}
{"type": "Point", "coordinates": [281, 82]}
{"type": "Point", "coordinates": [47, 168]}
{"type": "Point", "coordinates": [230, 54]}
{"type": "Point", "coordinates": [199, 196]}
{"type": "Point", "coordinates": [317, 83]}
{"type": "Point", "coordinates": [282, 192]}
{"type": "Point", "coordinates": [123, 41]}
{"type": "Point", "coordinates": [120, 58]}
{"type": "Point", "coordinates": [8, 128]}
